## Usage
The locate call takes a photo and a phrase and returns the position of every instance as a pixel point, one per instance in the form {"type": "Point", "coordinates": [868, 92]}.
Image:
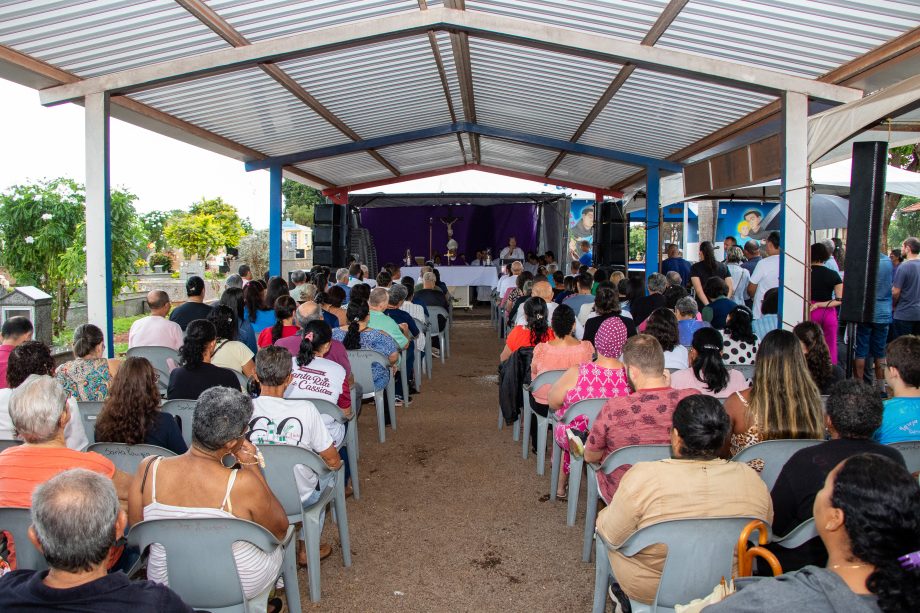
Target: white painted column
{"type": "Point", "coordinates": [98, 218]}
{"type": "Point", "coordinates": [794, 281]}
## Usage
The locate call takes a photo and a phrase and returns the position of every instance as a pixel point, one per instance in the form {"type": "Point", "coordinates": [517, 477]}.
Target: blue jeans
{"type": "Point", "coordinates": [871, 340]}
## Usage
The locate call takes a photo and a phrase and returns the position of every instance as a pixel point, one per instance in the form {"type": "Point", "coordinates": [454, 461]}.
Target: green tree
{"type": "Point", "coordinates": [43, 236]}
{"type": "Point", "coordinates": [300, 201]}
{"type": "Point", "coordinates": [208, 226]}
{"type": "Point", "coordinates": [908, 158]}
{"type": "Point", "coordinates": [636, 240]}
{"type": "Point", "coordinates": [154, 228]}
{"type": "Point", "coordinates": [903, 224]}
{"type": "Point", "coordinates": [254, 251]}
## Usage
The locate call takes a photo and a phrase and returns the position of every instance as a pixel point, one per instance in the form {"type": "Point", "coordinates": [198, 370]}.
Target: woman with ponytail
{"type": "Point", "coordinates": [536, 330]}
{"type": "Point", "coordinates": [868, 517]}
{"type": "Point", "coordinates": [285, 306]}
{"type": "Point", "coordinates": [356, 335]}
{"type": "Point", "coordinates": [707, 372]}
{"type": "Point", "coordinates": [195, 373]}
{"type": "Point", "coordinates": [89, 375]}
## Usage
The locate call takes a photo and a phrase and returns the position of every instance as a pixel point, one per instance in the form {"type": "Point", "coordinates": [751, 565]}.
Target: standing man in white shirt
{"type": "Point", "coordinates": [766, 274]}
{"type": "Point", "coordinates": [512, 251]}
{"type": "Point", "coordinates": [156, 330]}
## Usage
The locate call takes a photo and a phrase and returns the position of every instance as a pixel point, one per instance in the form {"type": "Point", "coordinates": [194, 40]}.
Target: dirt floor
{"type": "Point", "coordinates": [451, 517]}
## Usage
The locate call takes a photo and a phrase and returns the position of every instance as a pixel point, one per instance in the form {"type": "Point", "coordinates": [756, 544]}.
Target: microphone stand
{"type": "Point", "coordinates": [430, 230]}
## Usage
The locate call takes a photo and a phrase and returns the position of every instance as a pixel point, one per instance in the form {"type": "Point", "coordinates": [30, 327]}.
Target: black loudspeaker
{"type": "Point", "coordinates": [330, 234]}
{"type": "Point", "coordinates": [864, 230]}
{"type": "Point", "coordinates": [610, 235]}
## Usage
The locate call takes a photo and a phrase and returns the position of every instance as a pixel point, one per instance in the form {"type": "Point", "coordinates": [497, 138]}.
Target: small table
{"type": "Point", "coordinates": [461, 278]}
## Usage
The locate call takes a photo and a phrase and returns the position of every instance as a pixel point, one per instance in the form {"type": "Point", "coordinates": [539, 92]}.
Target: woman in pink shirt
{"type": "Point", "coordinates": [603, 378]}
{"type": "Point", "coordinates": [707, 372]}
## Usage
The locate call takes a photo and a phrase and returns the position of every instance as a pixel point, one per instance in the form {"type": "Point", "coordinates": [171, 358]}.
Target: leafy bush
{"type": "Point", "coordinates": [160, 259]}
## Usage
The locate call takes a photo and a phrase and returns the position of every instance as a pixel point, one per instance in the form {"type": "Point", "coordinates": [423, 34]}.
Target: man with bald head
{"type": "Point", "coordinates": [542, 289]}
{"type": "Point", "coordinates": [156, 330]}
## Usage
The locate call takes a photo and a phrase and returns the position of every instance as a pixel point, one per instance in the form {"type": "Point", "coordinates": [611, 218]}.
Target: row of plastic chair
{"type": "Point", "coordinates": [215, 586]}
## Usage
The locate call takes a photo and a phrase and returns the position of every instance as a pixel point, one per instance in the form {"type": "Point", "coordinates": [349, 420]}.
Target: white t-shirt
{"type": "Point", "coordinates": [156, 331]}
{"type": "Point", "coordinates": [506, 283]}
{"type": "Point", "coordinates": [232, 355]}
{"type": "Point", "coordinates": [417, 312]}
{"type": "Point", "coordinates": [276, 421]}
{"type": "Point", "coordinates": [766, 277]}
{"type": "Point", "coordinates": [322, 379]}
{"type": "Point", "coordinates": [74, 433]}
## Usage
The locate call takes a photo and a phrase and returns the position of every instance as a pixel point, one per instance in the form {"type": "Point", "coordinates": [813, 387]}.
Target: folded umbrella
{"type": "Point", "coordinates": [828, 212]}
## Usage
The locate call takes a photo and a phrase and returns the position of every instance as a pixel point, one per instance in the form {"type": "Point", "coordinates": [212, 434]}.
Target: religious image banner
{"type": "Point", "coordinates": [743, 220]}
{"type": "Point", "coordinates": [581, 228]}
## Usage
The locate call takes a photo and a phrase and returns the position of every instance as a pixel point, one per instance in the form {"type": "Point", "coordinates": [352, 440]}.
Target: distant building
{"type": "Point", "coordinates": [297, 238]}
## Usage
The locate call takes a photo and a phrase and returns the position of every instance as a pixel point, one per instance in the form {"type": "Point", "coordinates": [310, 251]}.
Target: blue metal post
{"type": "Point", "coordinates": [274, 221]}
{"type": "Point", "coordinates": [652, 217]}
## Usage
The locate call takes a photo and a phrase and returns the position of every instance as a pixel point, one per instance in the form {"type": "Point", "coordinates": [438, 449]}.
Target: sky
{"type": "Point", "coordinates": [165, 174]}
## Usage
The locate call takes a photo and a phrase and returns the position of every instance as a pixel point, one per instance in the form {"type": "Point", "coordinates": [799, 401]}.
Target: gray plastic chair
{"type": "Point", "coordinates": [624, 456]}
{"type": "Point", "coordinates": [351, 438]}
{"type": "Point", "coordinates": [745, 369]}
{"type": "Point", "coordinates": [243, 379]}
{"type": "Point", "coordinates": [183, 411]}
{"type": "Point", "coordinates": [774, 454]}
{"type": "Point", "coordinates": [589, 408]}
{"type": "Point", "coordinates": [17, 522]}
{"type": "Point", "coordinates": [438, 331]}
{"type": "Point", "coordinates": [7, 443]}
{"type": "Point", "coordinates": [212, 582]}
{"type": "Point", "coordinates": [163, 360]}
{"type": "Point", "coordinates": [545, 378]}
{"type": "Point", "coordinates": [127, 458]}
{"type": "Point", "coordinates": [911, 452]}
{"type": "Point", "coordinates": [420, 359]}
{"type": "Point", "coordinates": [709, 541]}
{"type": "Point", "coordinates": [280, 462]}
{"type": "Point", "coordinates": [361, 360]}
{"type": "Point", "coordinates": [89, 411]}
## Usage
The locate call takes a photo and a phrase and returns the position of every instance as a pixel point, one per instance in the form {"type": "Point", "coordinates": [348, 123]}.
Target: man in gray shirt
{"type": "Point", "coordinates": [905, 294]}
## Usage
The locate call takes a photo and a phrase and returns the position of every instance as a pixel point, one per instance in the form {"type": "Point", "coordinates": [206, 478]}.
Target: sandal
{"type": "Point", "coordinates": [562, 497]}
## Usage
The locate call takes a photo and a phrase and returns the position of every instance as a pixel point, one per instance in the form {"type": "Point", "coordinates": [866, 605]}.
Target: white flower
{"type": "Point", "coordinates": [47, 217]}
{"type": "Point", "coordinates": [30, 240]}
{"type": "Point", "coordinates": [62, 190]}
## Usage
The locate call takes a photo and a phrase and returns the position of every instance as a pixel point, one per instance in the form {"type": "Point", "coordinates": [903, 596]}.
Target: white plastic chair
{"type": "Point", "coordinates": [351, 437]}
{"type": "Point", "coordinates": [710, 541]}
{"type": "Point", "coordinates": [280, 463]}
{"type": "Point", "coordinates": [361, 360]}
{"type": "Point", "coordinates": [911, 452]}
{"type": "Point", "coordinates": [16, 521]}
{"type": "Point", "coordinates": [127, 458]}
{"type": "Point", "coordinates": [774, 454]}
{"type": "Point", "coordinates": [163, 360]}
{"type": "Point", "coordinates": [183, 411]}
{"type": "Point", "coordinates": [624, 456]}
{"type": "Point", "coordinates": [545, 378]}
{"type": "Point", "coordinates": [212, 582]}
{"type": "Point", "coordinates": [589, 408]}
{"type": "Point", "coordinates": [89, 411]}
{"type": "Point", "coordinates": [421, 359]}
{"type": "Point", "coordinates": [438, 331]}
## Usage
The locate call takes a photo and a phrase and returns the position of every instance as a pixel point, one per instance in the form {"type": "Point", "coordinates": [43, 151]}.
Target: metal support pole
{"type": "Point", "coordinates": [652, 217]}
{"type": "Point", "coordinates": [98, 219]}
{"type": "Point", "coordinates": [795, 218]}
{"type": "Point", "coordinates": [274, 221]}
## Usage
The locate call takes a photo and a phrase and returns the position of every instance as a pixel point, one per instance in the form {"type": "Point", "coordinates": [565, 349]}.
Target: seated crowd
{"type": "Point", "coordinates": [668, 369]}
{"type": "Point", "coordinates": [257, 363]}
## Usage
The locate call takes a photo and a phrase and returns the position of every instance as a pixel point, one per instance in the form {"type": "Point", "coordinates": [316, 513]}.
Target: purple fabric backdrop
{"type": "Point", "coordinates": [479, 227]}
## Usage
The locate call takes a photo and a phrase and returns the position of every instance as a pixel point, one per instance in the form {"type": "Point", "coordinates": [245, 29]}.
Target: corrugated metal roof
{"type": "Point", "coordinates": [96, 37]}
{"type": "Point", "coordinates": [681, 110]}
{"type": "Point", "coordinates": [347, 169]}
{"type": "Point", "coordinates": [424, 155]}
{"type": "Point", "coordinates": [248, 107]}
{"type": "Point", "coordinates": [629, 19]}
{"type": "Point", "coordinates": [533, 90]}
{"type": "Point", "coordinates": [592, 171]}
{"type": "Point", "coordinates": [394, 86]}
{"type": "Point", "coordinates": [380, 89]}
{"type": "Point", "coordinates": [802, 37]}
{"type": "Point", "coordinates": [264, 19]}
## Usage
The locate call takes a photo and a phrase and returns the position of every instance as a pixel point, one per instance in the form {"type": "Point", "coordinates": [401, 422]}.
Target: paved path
{"type": "Point", "coordinates": [451, 517]}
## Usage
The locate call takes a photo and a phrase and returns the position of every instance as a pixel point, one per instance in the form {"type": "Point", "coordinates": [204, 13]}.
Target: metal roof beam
{"type": "Point", "coordinates": [496, 27]}
{"type": "Point", "coordinates": [220, 26]}
{"type": "Point", "coordinates": [665, 19]}
{"type": "Point", "coordinates": [457, 127]}
{"type": "Point", "coordinates": [460, 47]}
{"type": "Point", "coordinates": [437, 172]}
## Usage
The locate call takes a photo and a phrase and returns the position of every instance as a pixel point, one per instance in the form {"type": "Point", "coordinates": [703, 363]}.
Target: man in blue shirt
{"type": "Point", "coordinates": [871, 338]}
{"type": "Point", "coordinates": [752, 253]}
{"type": "Point", "coordinates": [905, 292]}
{"type": "Point", "coordinates": [677, 264]}
{"type": "Point", "coordinates": [341, 278]}
{"type": "Point", "coordinates": [901, 419]}
{"type": "Point", "coordinates": [586, 257]}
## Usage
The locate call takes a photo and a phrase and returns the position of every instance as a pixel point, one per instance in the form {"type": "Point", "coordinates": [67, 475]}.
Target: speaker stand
{"type": "Point", "coordinates": [851, 348]}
